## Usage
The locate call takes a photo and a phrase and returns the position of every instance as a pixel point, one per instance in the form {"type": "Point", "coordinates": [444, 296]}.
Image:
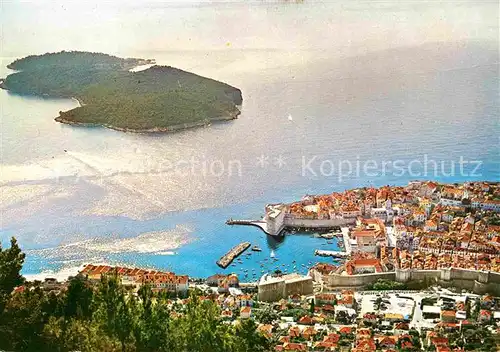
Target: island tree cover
{"type": "Point", "coordinates": [157, 99]}
{"type": "Point", "coordinates": [106, 317]}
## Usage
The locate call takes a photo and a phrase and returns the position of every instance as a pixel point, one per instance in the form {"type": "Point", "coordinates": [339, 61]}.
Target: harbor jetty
{"type": "Point", "coordinates": [335, 254]}
{"type": "Point", "coordinates": [257, 223]}
{"type": "Point", "coordinates": [232, 254]}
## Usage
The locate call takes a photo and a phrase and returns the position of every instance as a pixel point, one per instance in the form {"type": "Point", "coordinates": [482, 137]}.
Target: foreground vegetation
{"type": "Point", "coordinates": [105, 317]}
{"type": "Point", "coordinates": [160, 98]}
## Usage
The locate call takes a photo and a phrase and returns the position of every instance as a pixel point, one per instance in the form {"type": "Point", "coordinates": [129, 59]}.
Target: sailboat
{"type": "Point", "coordinates": [272, 254]}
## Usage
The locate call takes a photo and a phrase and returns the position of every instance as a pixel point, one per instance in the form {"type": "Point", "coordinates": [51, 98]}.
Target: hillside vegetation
{"type": "Point", "coordinates": [106, 317]}
{"type": "Point", "coordinates": [160, 98]}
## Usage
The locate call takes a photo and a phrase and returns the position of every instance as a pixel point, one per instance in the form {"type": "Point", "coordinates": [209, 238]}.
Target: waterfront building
{"type": "Point", "coordinates": [275, 218]}
{"type": "Point", "coordinates": [350, 212]}
{"type": "Point", "coordinates": [365, 241]}
{"type": "Point", "coordinates": [134, 277]}
{"type": "Point", "coordinates": [363, 266]}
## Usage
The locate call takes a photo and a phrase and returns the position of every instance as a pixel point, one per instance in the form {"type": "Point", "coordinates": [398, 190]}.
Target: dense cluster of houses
{"type": "Point", "coordinates": [453, 231]}
{"type": "Point", "coordinates": [337, 322]}
{"type": "Point", "coordinates": [411, 205]}
{"type": "Point", "coordinates": [424, 225]}
{"type": "Point", "coordinates": [449, 316]}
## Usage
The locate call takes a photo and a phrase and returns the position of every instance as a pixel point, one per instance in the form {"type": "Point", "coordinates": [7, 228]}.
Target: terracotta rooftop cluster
{"type": "Point", "coordinates": [363, 261]}
{"type": "Point", "coordinates": [440, 226]}
{"type": "Point", "coordinates": [419, 260]}
{"type": "Point", "coordinates": [324, 268]}
{"type": "Point", "coordinates": [309, 332]}
{"type": "Point", "coordinates": [134, 274]}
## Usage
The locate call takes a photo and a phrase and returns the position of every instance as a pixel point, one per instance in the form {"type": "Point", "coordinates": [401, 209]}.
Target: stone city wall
{"type": "Point", "coordinates": [315, 223]}
{"type": "Point", "coordinates": [334, 280]}
{"type": "Point", "coordinates": [271, 292]}
{"type": "Point", "coordinates": [274, 291]}
{"type": "Point", "coordinates": [301, 287]}
{"type": "Point", "coordinates": [477, 281]}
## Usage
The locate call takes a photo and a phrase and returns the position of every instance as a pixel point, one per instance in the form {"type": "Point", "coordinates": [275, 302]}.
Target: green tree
{"type": "Point", "coordinates": [199, 329]}
{"type": "Point", "coordinates": [266, 315]}
{"type": "Point", "coordinates": [153, 327]}
{"type": "Point", "coordinates": [11, 263]}
{"type": "Point", "coordinates": [23, 320]}
{"type": "Point", "coordinates": [382, 284]}
{"type": "Point", "coordinates": [248, 339]}
{"type": "Point", "coordinates": [114, 310]}
{"type": "Point", "coordinates": [477, 308]}
{"type": "Point", "coordinates": [79, 298]}
{"type": "Point", "coordinates": [77, 335]}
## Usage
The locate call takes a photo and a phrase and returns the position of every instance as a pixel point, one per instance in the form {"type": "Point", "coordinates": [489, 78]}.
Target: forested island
{"type": "Point", "coordinates": [157, 99]}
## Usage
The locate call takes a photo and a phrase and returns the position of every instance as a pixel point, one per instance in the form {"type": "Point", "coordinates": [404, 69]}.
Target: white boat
{"type": "Point", "coordinates": [272, 254]}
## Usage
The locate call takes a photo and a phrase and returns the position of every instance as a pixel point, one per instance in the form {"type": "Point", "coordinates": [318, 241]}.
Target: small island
{"type": "Point", "coordinates": [157, 99]}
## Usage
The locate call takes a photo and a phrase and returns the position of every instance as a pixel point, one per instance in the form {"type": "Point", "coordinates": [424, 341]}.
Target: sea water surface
{"type": "Point", "coordinates": [324, 84]}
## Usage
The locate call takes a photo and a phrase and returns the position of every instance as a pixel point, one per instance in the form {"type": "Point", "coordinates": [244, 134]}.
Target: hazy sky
{"type": "Point", "coordinates": [149, 26]}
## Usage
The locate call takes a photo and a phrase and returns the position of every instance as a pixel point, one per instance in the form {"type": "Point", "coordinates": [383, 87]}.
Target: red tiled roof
{"type": "Point", "coordinates": [306, 320]}
{"type": "Point", "coordinates": [294, 331]}
{"type": "Point", "coordinates": [345, 330]}
{"type": "Point", "coordinates": [387, 341]}
{"type": "Point", "coordinates": [245, 309]}
{"type": "Point", "coordinates": [439, 341]}
{"type": "Point", "coordinates": [290, 346]}
{"type": "Point", "coordinates": [364, 233]}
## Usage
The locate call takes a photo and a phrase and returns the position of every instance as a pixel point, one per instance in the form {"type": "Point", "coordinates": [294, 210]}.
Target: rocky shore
{"type": "Point", "coordinates": [169, 129]}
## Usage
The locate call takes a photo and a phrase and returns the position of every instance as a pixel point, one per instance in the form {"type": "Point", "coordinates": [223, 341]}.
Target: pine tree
{"type": "Point", "coordinates": [11, 263]}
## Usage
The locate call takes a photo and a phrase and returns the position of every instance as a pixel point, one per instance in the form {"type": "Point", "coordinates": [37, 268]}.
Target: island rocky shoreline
{"type": "Point", "coordinates": [170, 129]}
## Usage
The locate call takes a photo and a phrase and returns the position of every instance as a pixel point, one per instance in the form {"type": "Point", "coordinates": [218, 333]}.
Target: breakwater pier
{"type": "Point", "coordinates": [257, 223]}
{"type": "Point", "coordinates": [232, 254]}
{"type": "Point", "coordinates": [335, 254]}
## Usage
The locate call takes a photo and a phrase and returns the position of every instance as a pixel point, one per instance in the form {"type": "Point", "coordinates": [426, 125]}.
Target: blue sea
{"type": "Point", "coordinates": [337, 94]}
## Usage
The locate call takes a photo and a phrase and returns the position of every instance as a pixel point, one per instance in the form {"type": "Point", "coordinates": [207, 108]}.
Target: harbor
{"type": "Point", "coordinates": [343, 241]}
{"type": "Point", "coordinates": [258, 260]}
{"type": "Point", "coordinates": [232, 254]}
